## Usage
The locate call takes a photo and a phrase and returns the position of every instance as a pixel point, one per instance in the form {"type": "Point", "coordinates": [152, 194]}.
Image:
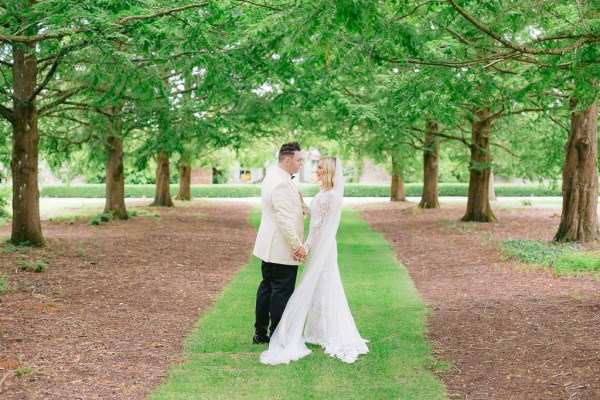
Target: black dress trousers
{"type": "Point", "coordinates": [273, 294]}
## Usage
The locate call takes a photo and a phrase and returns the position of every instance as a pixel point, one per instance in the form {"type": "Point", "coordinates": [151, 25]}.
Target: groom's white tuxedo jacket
{"type": "Point", "coordinates": [282, 220]}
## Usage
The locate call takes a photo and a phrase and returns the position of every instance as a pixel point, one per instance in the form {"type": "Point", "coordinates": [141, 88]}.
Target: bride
{"type": "Point", "coordinates": [318, 305]}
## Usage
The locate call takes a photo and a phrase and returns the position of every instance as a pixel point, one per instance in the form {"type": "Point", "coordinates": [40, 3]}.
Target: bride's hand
{"type": "Point", "coordinates": [299, 254]}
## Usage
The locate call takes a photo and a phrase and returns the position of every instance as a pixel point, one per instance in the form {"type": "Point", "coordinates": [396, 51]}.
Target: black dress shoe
{"type": "Point", "coordinates": [257, 339]}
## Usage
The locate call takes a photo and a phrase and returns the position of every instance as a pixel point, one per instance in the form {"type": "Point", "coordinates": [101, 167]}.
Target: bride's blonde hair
{"type": "Point", "coordinates": [328, 172]}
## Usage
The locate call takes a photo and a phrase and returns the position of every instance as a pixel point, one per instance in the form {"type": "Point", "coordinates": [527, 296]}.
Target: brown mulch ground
{"type": "Point", "coordinates": [110, 314]}
{"type": "Point", "coordinates": [510, 332]}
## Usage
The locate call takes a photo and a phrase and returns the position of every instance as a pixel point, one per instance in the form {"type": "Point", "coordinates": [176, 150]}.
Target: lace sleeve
{"type": "Point", "coordinates": [323, 208]}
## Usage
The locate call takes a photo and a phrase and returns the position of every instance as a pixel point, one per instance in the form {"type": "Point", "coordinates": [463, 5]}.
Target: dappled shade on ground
{"type": "Point", "coordinates": [510, 332]}
{"type": "Point", "coordinates": [110, 313]}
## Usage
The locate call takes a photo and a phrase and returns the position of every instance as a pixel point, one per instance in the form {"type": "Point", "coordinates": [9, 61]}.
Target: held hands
{"type": "Point", "coordinates": [299, 254]}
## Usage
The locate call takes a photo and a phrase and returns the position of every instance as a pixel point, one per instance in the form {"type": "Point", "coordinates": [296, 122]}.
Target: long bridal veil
{"type": "Point", "coordinates": [319, 300]}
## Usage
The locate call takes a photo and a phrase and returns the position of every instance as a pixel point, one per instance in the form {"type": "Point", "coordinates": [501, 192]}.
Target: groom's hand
{"type": "Point", "coordinates": [299, 254]}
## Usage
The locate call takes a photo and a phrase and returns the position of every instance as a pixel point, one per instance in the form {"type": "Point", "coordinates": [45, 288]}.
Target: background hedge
{"type": "Point", "coordinates": [351, 190]}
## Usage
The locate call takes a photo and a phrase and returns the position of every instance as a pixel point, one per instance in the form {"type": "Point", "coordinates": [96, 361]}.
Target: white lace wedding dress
{"type": "Point", "coordinates": [318, 305]}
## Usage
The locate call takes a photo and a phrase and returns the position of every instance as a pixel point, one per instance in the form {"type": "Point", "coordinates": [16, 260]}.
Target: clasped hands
{"type": "Point", "coordinates": [299, 254]}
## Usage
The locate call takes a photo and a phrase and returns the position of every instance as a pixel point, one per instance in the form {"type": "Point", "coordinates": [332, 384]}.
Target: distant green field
{"type": "Point", "coordinates": [242, 190]}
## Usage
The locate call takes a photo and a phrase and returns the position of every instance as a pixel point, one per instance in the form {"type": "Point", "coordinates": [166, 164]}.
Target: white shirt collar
{"type": "Point", "coordinates": [283, 172]}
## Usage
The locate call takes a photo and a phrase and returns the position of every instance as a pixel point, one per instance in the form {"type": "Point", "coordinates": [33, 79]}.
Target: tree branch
{"type": "Point", "coordinates": [70, 142]}
{"type": "Point", "coordinates": [7, 113]}
{"type": "Point", "coordinates": [416, 8]}
{"type": "Point", "coordinates": [261, 5]}
{"type": "Point", "coordinates": [525, 110]}
{"type": "Point", "coordinates": [417, 139]}
{"type": "Point", "coordinates": [509, 151]}
{"type": "Point", "coordinates": [550, 93]}
{"type": "Point", "coordinates": [522, 48]}
{"type": "Point", "coordinates": [356, 96]}
{"type": "Point", "coordinates": [160, 13]}
{"type": "Point", "coordinates": [557, 122]}
{"type": "Point", "coordinates": [460, 139]}
{"type": "Point", "coordinates": [458, 64]}
{"type": "Point", "coordinates": [170, 58]}
{"type": "Point", "coordinates": [556, 37]}
{"type": "Point", "coordinates": [183, 91]}
{"type": "Point", "coordinates": [497, 115]}
{"type": "Point", "coordinates": [63, 99]}
{"type": "Point", "coordinates": [48, 76]}
{"type": "Point", "coordinates": [83, 106]}
{"type": "Point", "coordinates": [502, 113]}
{"type": "Point", "coordinates": [411, 144]}
{"type": "Point", "coordinates": [460, 38]}
{"type": "Point", "coordinates": [417, 129]}
{"type": "Point", "coordinates": [122, 21]}
{"type": "Point", "coordinates": [504, 71]}
{"type": "Point", "coordinates": [35, 39]}
{"type": "Point", "coordinates": [453, 64]}
{"type": "Point", "coordinates": [67, 117]}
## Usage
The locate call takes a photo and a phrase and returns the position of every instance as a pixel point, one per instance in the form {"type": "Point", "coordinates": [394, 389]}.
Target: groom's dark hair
{"type": "Point", "coordinates": [288, 149]}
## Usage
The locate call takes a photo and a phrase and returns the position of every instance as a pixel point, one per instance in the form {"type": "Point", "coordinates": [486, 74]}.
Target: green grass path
{"type": "Point", "coordinates": [223, 364]}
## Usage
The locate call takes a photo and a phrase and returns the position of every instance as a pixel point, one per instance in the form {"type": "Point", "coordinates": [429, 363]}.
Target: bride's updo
{"type": "Point", "coordinates": [328, 172]}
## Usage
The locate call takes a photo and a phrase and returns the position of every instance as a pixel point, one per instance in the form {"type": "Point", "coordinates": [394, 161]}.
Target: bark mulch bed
{"type": "Point", "coordinates": [111, 312]}
{"type": "Point", "coordinates": [510, 332]}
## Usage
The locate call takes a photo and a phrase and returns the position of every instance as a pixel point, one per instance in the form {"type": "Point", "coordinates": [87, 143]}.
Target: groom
{"type": "Point", "coordinates": [279, 241]}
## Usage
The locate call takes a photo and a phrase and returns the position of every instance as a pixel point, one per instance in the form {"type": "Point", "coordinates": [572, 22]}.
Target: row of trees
{"type": "Point", "coordinates": [100, 74]}
{"type": "Point", "coordinates": [422, 71]}
{"type": "Point", "coordinates": [157, 80]}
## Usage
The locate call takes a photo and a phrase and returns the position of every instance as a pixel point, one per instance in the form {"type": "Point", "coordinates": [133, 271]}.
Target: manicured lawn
{"type": "Point", "coordinates": [221, 362]}
{"type": "Point", "coordinates": [308, 190]}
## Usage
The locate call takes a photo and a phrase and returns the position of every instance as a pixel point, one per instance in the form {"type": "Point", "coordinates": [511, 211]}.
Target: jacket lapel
{"type": "Point", "coordinates": [288, 180]}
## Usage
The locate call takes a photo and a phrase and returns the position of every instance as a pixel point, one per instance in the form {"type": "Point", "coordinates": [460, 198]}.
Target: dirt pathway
{"type": "Point", "coordinates": [111, 312]}
{"type": "Point", "coordinates": [511, 333]}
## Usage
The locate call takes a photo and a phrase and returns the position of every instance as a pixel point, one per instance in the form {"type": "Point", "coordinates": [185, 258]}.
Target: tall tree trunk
{"type": "Point", "coordinates": [358, 168]}
{"type": "Point", "coordinates": [429, 197]}
{"type": "Point", "coordinates": [185, 180]}
{"type": "Point", "coordinates": [579, 220]}
{"type": "Point", "coordinates": [478, 202]}
{"type": "Point", "coordinates": [162, 197]}
{"type": "Point", "coordinates": [397, 187]}
{"type": "Point", "coordinates": [491, 190]}
{"type": "Point", "coordinates": [26, 225]}
{"type": "Point", "coordinates": [115, 180]}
